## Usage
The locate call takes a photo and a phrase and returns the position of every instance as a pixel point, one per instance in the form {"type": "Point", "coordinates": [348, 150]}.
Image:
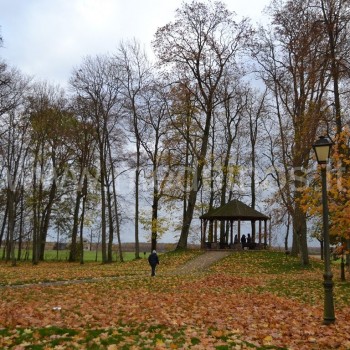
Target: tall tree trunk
{"type": "Point", "coordinates": [295, 242]}
{"type": "Point", "coordinates": [117, 219]}
{"type": "Point", "coordinates": [82, 220]}
{"type": "Point", "coordinates": [212, 170]}
{"type": "Point", "coordinates": [332, 18]}
{"type": "Point", "coordinates": [73, 245]}
{"type": "Point", "coordinates": [110, 225]}
{"type": "Point", "coordinates": [21, 223]}
{"type": "Point", "coordinates": [11, 225]}
{"type": "Point", "coordinates": [81, 192]}
{"type": "Point", "coordinates": [182, 243]}
{"type": "Point", "coordinates": [154, 222]}
{"type": "Point", "coordinates": [225, 172]}
{"type": "Point", "coordinates": [186, 172]}
{"type": "Point", "coordinates": [37, 199]}
{"type": "Point", "coordinates": [137, 183]}
{"type": "Point", "coordinates": [155, 201]}
{"type": "Point", "coordinates": [196, 184]}
{"type": "Point", "coordinates": [300, 229]}
{"type": "Point", "coordinates": [116, 212]}
{"type": "Point", "coordinates": [103, 207]}
{"type": "Point", "coordinates": [287, 233]}
{"type": "Point", "coordinates": [46, 219]}
{"type": "Point", "coordinates": [3, 226]}
{"type": "Point", "coordinates": [336, 22]}
{"type": "Point", "coordinates": [36, 231]}
{"type": "Point", "coordinates": [253, 192]}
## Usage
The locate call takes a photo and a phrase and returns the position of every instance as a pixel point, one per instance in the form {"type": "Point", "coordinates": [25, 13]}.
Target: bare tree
{"type": "Point", "coordinates": [201, 42]}
{"type": "Point", "coordinates": [13, 147]}
{"type": "Point", "coordinates": [94, 84]}
{"type": "Point", "coordinates": [335, 23]}
{"type": "Point", "coordinates": [234, 96]}
{"type": "Point", "coordinates": [157, 148]}
{"type": "Point", "coordinates": [255, 112]}
{"type": "Point", "coordinates": [135, 70]}
{"type": "Point", "coordinates": [50, 137]}
{"type": "Point", "coordinates": [293, 67]}
{"type": "Point", "coordinates": [83, 145]}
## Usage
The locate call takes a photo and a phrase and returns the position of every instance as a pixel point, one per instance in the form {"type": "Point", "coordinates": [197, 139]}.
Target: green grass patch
{"type": "Point", "coordinates": [47, 332]}
{"type": "Point", "coordinates": [120, 337]}
{"type": "Point", "coordinates": [283, 276]}
{"type": "Point", "coordinates": [63, 255]}
{"type": "Point", "coordinates": [265, 262]}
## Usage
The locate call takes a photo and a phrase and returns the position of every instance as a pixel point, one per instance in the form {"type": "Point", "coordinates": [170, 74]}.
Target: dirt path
{"type": "Point", "coordinates": [202, 262]}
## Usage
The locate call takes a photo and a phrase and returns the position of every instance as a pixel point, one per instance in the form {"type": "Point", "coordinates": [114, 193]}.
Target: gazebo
{"type": "Point", "coordinates": [226, 215]}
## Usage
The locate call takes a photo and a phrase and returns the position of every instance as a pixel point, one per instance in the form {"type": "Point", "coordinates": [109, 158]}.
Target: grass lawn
{"type": "Point", "coordinates": [249, 300]}
{"type": "Point", "coordinates": [63, 255]}
{"type": "Point", "coordinates": [89, 256]}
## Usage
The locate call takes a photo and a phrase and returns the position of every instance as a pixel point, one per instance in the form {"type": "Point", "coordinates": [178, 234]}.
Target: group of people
{"type": "Point", "coordinates": [245, 240]}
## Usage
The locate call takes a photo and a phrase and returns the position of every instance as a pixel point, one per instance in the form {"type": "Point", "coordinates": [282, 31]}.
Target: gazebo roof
{"type": "Point", "coordinates": [234, 210]}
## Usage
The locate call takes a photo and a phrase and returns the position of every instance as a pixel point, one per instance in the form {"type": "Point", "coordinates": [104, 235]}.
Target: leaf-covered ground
{"type": "Point", "coordinates": [249, 300]}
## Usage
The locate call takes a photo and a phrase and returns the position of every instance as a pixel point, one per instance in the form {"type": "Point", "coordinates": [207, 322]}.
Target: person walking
{"type": "Point", "coordinates": [153, 261]}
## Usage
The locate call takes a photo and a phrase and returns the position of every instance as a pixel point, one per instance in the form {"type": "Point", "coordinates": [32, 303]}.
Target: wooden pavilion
{"type": "Point", "coordinates": [226, 215]}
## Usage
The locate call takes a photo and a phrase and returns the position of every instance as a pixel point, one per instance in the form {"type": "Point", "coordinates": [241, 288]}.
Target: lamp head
{"type": "Point", "coordinates": [322, 148]}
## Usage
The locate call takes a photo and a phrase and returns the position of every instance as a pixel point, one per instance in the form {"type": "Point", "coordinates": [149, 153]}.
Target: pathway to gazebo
{"type": "Point", "coordinates": [203, 261]}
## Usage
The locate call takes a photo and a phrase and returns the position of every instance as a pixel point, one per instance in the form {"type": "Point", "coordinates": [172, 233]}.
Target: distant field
{"type": "Point", "coordinates": [63, 255]}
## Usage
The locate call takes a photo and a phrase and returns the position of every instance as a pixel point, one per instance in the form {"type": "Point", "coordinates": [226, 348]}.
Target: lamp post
{"type": "Point", "coordinates": [322, 148]}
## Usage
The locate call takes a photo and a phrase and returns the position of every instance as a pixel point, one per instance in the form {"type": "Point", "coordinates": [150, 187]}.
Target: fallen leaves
{"type": "Point", "coordinates": [233, 307]}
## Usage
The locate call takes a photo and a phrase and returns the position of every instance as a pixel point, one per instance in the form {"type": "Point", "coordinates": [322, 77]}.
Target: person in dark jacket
{"type": "Point", "coordinates": [153, 261]}
{"type": "Point", "coordinates": [243, 241]}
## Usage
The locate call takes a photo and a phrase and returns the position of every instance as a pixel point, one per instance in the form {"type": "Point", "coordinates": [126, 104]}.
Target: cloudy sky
{"type": "Point", "coordinates": [47, 38]}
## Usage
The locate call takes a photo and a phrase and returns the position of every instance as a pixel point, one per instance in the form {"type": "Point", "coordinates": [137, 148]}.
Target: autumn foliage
{"type": "Point", "coordinates": [338, 185]}
{"type": "Point", "coordinates": [249, 300]}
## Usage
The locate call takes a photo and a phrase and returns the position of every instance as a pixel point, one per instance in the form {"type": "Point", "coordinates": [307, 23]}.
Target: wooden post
{"type": "Point", "coordinates": [216, 232]}
{"type": "Point", "coordinates": [239, 231]}
{"type": "Point", "coordinates": [259, 232]}
{"type": "Point", "coordinates": [253, 231]}
{"type": "Point", "coordinates": [204, 229]}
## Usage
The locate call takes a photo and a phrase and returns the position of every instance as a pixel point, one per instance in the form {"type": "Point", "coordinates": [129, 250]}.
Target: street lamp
{"type": "Point", "coordinates": [322, 148]}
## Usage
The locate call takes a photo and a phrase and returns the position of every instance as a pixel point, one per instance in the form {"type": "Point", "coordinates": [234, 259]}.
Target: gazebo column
{"type": "Point", "coordinates": [210, 233]}
{"type": "Point", "coordinates": [222, 239]}
{"type": "Point", "coordinates": [253, 230]}
{"type": "Point", "coordinates": [239, 230]}
{"type": "Point", "coordinates": [204, 229]}
{"type": "Point", "coordinates": [216, 231]}
{"type": "Point", "coordinates": [231, 231]}
{"type": "Point", "coordinates": [260, 231]}
{"type": "Point", "coordinates": [202, 234]}
{"type": "Point", "coordinates": [265, 234]}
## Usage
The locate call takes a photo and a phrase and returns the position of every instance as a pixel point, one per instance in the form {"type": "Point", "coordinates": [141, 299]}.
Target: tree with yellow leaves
{"type": "Point", "coordinates": [338, 178]}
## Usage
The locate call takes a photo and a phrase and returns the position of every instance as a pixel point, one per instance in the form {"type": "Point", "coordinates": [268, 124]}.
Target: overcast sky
{"type": "Point", "coordinates": [47, 38]}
